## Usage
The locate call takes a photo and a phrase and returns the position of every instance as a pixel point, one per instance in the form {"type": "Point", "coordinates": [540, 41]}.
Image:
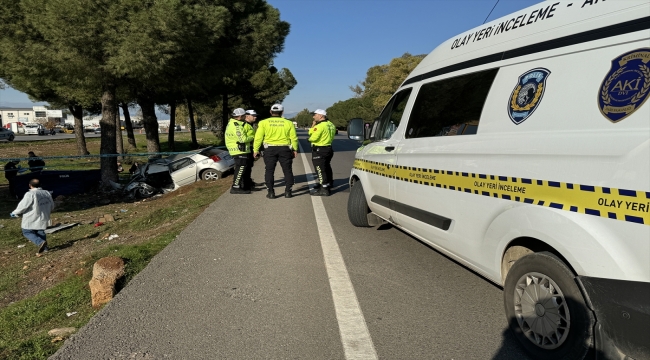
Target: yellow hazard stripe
{"type": "Point", "coordinates": [619, 204]}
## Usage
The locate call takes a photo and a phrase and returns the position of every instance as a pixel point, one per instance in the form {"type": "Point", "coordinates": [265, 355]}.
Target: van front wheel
{"type": "Point", "coordinates": [545, 308]}
{"type": "Point", "coordinates": [358, 206]}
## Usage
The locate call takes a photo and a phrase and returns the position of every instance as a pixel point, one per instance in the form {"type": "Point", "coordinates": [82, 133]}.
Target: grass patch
{"type": "Point", "coordinates": [36, 293]}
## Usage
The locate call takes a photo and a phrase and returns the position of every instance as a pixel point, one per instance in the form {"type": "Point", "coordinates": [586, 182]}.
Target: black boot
{"type": "Point", "coordinates": [323, 191]}
{"type": "Point", "coordinates": [270, 194]}
{"type": "Point", "coordinates": [239, 191]}
{"type": "Point", "coordinates": [288, 194]}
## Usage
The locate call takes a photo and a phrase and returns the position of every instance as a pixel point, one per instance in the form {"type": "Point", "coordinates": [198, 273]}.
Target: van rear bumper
{"type": "Point", "coordinates": [622, 311]}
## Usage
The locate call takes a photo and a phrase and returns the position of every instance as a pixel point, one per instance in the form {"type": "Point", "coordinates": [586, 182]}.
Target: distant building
{"type": "Point", "coordinates": [37, 114]}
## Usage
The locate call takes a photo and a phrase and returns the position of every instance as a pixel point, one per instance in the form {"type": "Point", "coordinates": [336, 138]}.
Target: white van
{"type": "Point", "coordinates": [34, 129]}
{"type": "Point", "coordinates": [521, 149]}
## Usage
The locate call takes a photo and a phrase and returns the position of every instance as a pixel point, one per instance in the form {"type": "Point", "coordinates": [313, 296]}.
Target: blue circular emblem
{"type": "Point", "coordinates": [626, 86]}
{"type": "Point", "coordinates": [527, 95]}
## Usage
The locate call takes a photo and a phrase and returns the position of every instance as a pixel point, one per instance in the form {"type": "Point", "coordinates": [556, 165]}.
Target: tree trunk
{"type": "Point", "coordinates": [77, 112]}
{"type": "Point", "coordinates": [108, 144]}
{"type": "Point", "coordinates": [225, 116]}
{"type": "Point", "coordinates": [150, 123]}
{"type": "Point", "coordinates": [172, 126]}
{"type": "Point", "coordinates": [129, 126]}
{"type": "Point", "coordinates": [118, 133]}
{"type": "Point", "coordinates": [195, 145]}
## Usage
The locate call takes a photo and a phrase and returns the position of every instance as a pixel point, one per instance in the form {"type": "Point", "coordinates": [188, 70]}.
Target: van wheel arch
{"type": "Point", "coordinates": [523, 246]}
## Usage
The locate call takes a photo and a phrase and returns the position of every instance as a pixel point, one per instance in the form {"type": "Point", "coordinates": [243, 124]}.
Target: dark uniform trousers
{"type": "Point", "coordinates": [273, 155]}
{"type": "Point", "coordinates": [242, 175]}
{"type": "Point", "coordinates": [321, 157]}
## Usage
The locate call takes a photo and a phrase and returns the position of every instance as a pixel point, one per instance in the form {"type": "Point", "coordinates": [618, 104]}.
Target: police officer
{"type": "Point", "coordinates": [278, 135]}
{"type": "Point", "coordinates": [251, 117]}
{"type": "Point", "coordinates": [239, 137]}
{"type": "Point", "coordinates": [321, 135]}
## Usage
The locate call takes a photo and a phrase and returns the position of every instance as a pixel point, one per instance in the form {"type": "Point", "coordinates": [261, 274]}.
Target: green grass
{"type": "Point", "coordinates": [149, 226]}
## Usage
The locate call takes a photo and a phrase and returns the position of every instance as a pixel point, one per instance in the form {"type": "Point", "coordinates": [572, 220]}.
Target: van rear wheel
{"type": "Point", "coordinates": [11, 138]}
{"type": "Point", "coordinates": [358, 206]}
{"type": "Point", "coordinates": [545, 308]}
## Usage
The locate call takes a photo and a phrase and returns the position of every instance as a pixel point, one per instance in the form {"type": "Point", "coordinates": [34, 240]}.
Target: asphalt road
{"type": "Point", "coordinates": [248, 280]}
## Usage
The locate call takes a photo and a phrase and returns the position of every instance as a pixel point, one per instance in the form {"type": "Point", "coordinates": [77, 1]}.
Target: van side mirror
{"type": "Point", "coordinates": [356, 130]}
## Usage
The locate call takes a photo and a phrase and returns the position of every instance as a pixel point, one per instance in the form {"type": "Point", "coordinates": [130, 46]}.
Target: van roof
{"type": "Point", "coordinates": [547, 26]}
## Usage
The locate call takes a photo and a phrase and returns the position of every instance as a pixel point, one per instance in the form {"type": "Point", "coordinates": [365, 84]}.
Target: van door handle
{"type": "Point", "coordinates": [389, 148]}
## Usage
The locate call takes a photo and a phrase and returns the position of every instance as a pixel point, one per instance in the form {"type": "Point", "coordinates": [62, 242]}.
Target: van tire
{"type": "Point", "coordinates": [358, 206]}
{"type": "Point", "coordinates": [11, 138]}
{"type": "Point", "coordinates": [538, 272]}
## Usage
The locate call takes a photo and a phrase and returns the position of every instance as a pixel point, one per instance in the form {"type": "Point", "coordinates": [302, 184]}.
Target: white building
{"type": "Point", "coordinates": [38, 114]}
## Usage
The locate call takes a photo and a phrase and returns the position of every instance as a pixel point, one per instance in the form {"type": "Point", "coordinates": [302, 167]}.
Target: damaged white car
{"type": "Point", "coordinates": [168, 174]}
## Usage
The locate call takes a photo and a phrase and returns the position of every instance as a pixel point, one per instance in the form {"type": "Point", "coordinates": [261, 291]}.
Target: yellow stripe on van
{"type": "Point", "coordinates": [620, 204]}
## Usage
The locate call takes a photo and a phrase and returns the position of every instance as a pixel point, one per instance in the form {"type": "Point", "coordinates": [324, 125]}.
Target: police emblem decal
{"type": "Point", "coordinates": [527, 95]}
{"type": "Point", "coordinates": [626, 86]}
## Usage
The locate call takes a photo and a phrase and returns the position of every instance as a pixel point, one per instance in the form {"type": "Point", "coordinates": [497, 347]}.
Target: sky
{"type": "Point", "coordinates": [333, 43]}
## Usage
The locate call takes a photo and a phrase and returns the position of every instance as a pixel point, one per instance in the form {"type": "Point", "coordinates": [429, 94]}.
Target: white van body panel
{"type": "Point", "coordinates": [565, 20]}
{"type": "Point", "coordinates": [567, 140]}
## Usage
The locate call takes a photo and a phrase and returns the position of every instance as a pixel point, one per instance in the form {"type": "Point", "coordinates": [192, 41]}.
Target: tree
{"type": "Point", "coordinates": [151, 47]}
{"type": "Point", "coordinates": [341, 112]}
{"type": "Point", "coordinates": [383, 80]}
{"type": "Point", "coordinates": [303, 118]}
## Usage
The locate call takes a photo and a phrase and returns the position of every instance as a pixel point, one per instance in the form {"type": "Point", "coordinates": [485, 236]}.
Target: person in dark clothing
{"type": "Point", "coordinates": [11, 171]}
{"type": "Point", "coordinates": [35, 165]}
{"type": "Point", "coordinates": [134, 168]}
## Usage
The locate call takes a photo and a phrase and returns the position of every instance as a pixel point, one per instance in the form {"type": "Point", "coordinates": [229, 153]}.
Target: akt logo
{"type": "Point", "coordinates": [627, 85]}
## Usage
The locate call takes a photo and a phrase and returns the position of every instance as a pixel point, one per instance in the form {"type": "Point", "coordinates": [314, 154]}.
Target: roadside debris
{"type": "Point", "coordinates": [106, 271]}
{"type": "Point", "coordinates": [105, 218]}
{"type": "Point", "coordinates": [113, 236]}
{"type": "Point", "coordinates": [71, 313]}
{"type": "Point", "coordinates": [21, 246]}
{"type": "Point", "coordinates": [62, 332]}
{"type": "Point", "coordinates": [60, 227]}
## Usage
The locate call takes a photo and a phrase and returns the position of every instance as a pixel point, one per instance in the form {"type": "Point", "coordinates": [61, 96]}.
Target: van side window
{"type": "Point", "coordinates": [450, 107]}
{"type": "Point", "coordinates": [392, 114]}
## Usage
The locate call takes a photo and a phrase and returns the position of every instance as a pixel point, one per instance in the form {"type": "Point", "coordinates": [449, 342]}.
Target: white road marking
{"type": "Point", "coordinates": [355, 336]}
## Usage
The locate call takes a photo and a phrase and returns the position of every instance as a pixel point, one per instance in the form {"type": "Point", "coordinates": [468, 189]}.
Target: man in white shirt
{"type": "Point", "coordinates": [36, 206]}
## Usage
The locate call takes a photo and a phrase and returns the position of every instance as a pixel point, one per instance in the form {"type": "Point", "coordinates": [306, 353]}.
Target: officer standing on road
{"type": "Point", "coordinates": [278, 135]}
{"type": "Point", "coordinates": [321, 136]}
{"type": "Point", "coordinates": [251, 117]}
{"type": "Point", "coordinates": [239, 137]}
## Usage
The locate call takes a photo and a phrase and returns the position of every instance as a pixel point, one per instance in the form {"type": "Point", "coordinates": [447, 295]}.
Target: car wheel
{"type": "Point", "coordinates": [211, 175]}
{"type": "Point", "coordinates": [358, 206]}
{"type": "Point", "coordinates": [143, 192]}
{"type": "Point", "coordinates": [11, 138]}
{"type": "Point", "coordinates": [545, 308]}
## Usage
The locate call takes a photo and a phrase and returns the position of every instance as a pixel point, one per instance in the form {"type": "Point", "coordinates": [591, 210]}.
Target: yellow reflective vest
{"type": "Point", "coordinates": [276, 131]}
{"type": "Point", "coordinates": [322, 134]}
{"type": "Point", "coordinates": [239, 131]}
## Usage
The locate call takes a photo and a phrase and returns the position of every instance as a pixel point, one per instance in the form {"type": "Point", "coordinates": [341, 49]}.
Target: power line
{"type": "Point", "coordinates": [495, 5]}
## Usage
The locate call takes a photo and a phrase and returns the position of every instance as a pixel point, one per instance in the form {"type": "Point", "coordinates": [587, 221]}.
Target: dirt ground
{"type": "Point", "coordinates": [72, 249]}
